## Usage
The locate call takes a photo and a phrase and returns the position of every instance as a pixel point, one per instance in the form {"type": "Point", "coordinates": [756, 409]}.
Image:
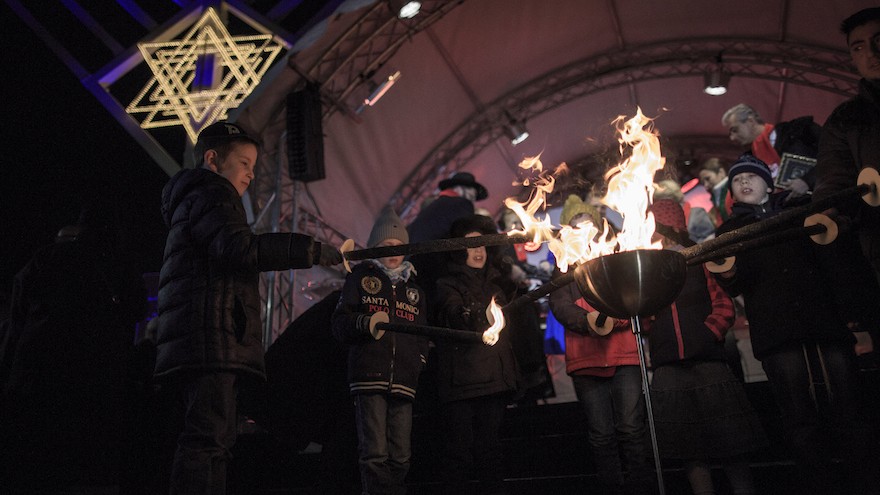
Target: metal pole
{"type": "Point", "coordinates": [646, 389]}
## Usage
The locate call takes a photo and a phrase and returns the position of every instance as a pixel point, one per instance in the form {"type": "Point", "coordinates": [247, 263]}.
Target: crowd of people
{"type": "Point", "coordinates": [75, 387]}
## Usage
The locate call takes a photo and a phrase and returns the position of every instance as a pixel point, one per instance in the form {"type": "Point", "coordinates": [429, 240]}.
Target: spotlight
{"type": "Point", "coordinates": [716, 82]}
{"type": "Point", "coordinates": [405, 9]}
{"type": "Point", "coordinates": [515, 130]}
{"type": "Point", "coordinates": [377, 91]}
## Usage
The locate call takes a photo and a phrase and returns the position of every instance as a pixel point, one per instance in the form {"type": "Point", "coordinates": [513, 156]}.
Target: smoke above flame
{"type": "Point", "coordinates": [630, 192]}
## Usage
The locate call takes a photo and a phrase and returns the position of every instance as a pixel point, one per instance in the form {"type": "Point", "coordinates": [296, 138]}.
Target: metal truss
{"type": "Point", "coordinates": [282, 210]}
{"type": "Point", "coordinates": [819, 68]}
{"type": "Point", "coordinates": [365, 47]}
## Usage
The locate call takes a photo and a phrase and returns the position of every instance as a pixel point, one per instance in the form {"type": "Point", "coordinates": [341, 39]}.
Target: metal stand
{"type": "Point", "coordinates": [637, 331]}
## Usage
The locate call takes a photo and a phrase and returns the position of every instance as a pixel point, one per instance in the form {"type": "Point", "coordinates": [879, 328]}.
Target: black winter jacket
{"type": "Point", "coordinates": [393, 363]}
{"type": "Point", "coordinates": [850, 143]}
{"type": "Point", "coordinates": [692, 328]}
{"type": "Point", "coordinates": [209, 300]}
{"type": "Point", "coordinates": [467, 370]}
{"type": "Point", "coordinates": [788, 298]}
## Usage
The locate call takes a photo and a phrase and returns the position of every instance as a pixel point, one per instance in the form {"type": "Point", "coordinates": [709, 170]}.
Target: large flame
{"type": "Point", "coordinates": [496, 320]}
{"type": "Point", "coordinates": [630, 191]}
{"type": "Point", "coordinates": [540, 230]}
{"type": "Point", "coordinates": [631, 183]}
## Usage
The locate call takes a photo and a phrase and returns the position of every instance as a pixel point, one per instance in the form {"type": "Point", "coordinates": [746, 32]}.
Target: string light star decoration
{"type": "Point", "coordinates": [197, 79]}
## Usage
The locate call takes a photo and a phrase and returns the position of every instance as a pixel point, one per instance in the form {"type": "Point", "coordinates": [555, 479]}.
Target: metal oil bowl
{"type": "Point", "coordinates": [632, 283]}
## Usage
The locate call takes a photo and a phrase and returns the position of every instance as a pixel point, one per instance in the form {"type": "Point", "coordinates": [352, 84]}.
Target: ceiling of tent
{"type": "Point", "coordinates": [565, 67]}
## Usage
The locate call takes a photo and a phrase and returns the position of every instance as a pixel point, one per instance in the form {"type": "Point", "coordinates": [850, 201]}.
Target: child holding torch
{"type": "Point", "coordinates": [800, 336]}
{"type": "Point", "coordinates": [383, 373]}
{"type": "Point", "coordinates": [475, 381]}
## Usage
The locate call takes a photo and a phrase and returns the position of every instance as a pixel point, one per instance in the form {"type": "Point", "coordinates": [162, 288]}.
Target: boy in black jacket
{"type": "Point", "coordinates": [798, 334]}
{"type": "Point", "coordinates": [210, 334]}
{"type": "Point", "coordinates": [383, 373]}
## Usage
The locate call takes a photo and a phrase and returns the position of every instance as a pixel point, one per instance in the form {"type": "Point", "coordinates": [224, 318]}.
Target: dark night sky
{"type": "Point", "coordinates": [61, 148]}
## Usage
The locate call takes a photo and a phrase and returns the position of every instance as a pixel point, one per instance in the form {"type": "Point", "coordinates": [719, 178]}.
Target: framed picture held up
{"type": "Point", "coordinates": [793, 167]}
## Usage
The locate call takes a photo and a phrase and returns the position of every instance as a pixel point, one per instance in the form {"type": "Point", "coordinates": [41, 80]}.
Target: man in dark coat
{"type": "Point", "coordinates": [456, 200]}
{"type": "Point", "coordinates": [851, 137]}
{"type": "Point", "coordinates": [66, 358]}
{"type": "Point", "coordinates": [209, 301]}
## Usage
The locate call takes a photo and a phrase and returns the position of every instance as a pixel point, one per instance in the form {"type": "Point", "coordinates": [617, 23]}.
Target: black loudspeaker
{"type": "Point", "coordinates": [305, 138]}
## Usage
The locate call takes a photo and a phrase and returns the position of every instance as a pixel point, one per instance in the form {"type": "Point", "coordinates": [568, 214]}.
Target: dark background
{"type": "Point", "coordinates": [61, 149]}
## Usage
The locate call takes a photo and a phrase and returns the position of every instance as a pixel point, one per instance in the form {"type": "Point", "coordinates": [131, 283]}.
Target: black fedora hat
{"type": "Point", "coordinates": [465, 179]}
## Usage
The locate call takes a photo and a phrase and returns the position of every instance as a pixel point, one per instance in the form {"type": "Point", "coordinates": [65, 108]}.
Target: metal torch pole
{"type": "Point", "coordinates": [637, 331]}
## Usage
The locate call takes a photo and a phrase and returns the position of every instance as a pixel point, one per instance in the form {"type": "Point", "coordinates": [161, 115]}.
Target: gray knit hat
{"type": "Point", "coordinates": [388, 226]}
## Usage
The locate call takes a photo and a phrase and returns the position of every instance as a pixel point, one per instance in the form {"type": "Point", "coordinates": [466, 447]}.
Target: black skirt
{"type": "Point", "coordinates": [701, 412]}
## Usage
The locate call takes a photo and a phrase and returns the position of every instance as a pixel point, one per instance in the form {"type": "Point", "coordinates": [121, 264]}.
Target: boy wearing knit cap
{"type": "Point", "coordinates": [798, 329]}
{"type": "Point", "coordinates": [383, 373]}
{"type": "Point", "coordinates": [575, 211]}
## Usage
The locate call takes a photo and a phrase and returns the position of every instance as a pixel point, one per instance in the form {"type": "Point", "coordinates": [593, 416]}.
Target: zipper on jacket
{"type": "Point", "coordinates": [393, 340]}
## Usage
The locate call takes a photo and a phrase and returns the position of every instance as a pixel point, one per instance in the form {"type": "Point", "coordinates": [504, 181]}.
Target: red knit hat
{"type": "Point", "coordinates": [670, 214]}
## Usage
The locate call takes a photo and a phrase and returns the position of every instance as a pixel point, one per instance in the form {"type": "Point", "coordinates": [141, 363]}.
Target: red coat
{"type": "Point", "coordinates": [588, 350]}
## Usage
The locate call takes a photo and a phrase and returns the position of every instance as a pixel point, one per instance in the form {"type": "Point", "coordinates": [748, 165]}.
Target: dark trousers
{"type": "Point", "coordinates": [472, 442]}
{"type": "Point", "coordinates": [815, 389]}
{"type": "Point", "coordinates": [384, 425]}
{"type": "Point", "coordinates": [209, 432]}
{"type": "Point", "coordinates": [615, 410]}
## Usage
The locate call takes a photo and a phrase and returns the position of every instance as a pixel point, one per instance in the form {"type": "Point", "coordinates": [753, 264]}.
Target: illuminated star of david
{"type": "Point", "coordinates": [174, 96]}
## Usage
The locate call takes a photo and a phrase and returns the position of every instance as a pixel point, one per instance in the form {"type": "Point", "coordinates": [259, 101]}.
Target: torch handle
{"type": "Point", "coordinates": [435, 246]}
{"type": "Point", "coordinates": [429, 331]}
{"type": "Point", "coordinates": [533, 295]}
{"type": "Point", "coordinates": [753, 243]}
{"type": "Point", "coordinates": [759, 228]}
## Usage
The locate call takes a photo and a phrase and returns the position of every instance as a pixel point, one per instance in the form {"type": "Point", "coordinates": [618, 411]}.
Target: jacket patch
{"type": "Point", "coordinates": [412, 295]}
{"type": "Point", "coordinates": [371, 285]}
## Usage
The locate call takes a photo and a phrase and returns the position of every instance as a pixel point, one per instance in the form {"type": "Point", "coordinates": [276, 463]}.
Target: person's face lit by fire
{"type": "Point", "coordinates": [743, 132]}
{"type": "Point", "coordinates": [476, 257]}
{"type": "Point", "coordinates": [237, 166]}
{"type": "Point", "coordinates": [749, 188]}
{"type": "Point", "coordinates": [391, 262]}
{"type": "Point", "coordinates": [864, 48]}
{"type": "Point", "coordinates": [710, 178]}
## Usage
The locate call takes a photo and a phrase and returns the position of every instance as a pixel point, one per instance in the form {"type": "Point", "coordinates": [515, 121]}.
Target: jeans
{"type": "Point", "coordinates": [384, 425]}
{"type": "Point", "coordinates": [472, 441]}
{"type": "Point", "coordinates": [815, 411]}
{"type": "Point", "coordinates": [209, 431]}
{"type": "Point", "coordinates": [615, 410]}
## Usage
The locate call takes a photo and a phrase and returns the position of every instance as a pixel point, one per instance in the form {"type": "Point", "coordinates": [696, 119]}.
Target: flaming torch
{"type": "Point", "coordinates": [379, 323]}
{"type": "Point", "coordinates": [496, 323]}
{"type": "Point", "coordinates": [629, 275]}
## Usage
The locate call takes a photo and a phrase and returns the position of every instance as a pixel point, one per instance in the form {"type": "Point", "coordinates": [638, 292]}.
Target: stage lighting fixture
{"type": "Point", "coordinates": [716, 79]}
{"type": "Point", "coordinates": [405, 9]}
{"type": "Point", "coordinates": [515, 130]}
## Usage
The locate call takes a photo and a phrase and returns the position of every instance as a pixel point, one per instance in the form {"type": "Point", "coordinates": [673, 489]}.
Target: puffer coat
{"type": "Point", "coordinates": [209, 301]}
{"type": "Point", "coordinates": [392, 364]}
{"type": "Point", "coordinates": [471, 369]}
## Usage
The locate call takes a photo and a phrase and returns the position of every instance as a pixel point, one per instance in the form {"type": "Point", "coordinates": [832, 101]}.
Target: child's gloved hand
{"type": "Point", "coordinates": [329, 256]}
